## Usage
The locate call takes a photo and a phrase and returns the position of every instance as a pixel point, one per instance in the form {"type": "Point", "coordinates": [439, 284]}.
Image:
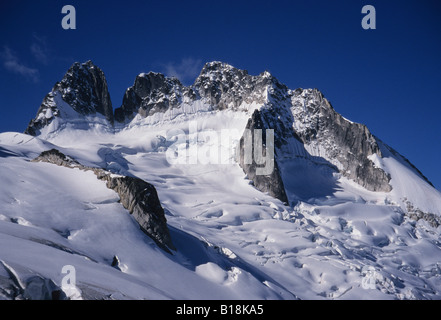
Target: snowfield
{"type": "Point", "coordinates": [63, 228]}
{"type": "Point", "coordinates": [337, 240]}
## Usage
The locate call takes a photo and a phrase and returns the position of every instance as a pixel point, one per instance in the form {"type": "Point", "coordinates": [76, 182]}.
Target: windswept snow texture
{"type": "Point", "coordinates": [334, 240]}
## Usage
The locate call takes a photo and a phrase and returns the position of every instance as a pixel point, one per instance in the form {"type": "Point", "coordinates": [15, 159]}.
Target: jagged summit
{"type": "Point", "coordinates": [219, 85]}
{"type": "Point", "coordinates": [305, 123]}
{"type": "Point", "coordinates": [217, 65]}
{"type": "Point", "coordinates": [330, 212]}
{"type": "Point", "coordinates": [82, 92]}
{"type": "Point", "coordinates": [151, 92]}
{"type": "Point", "coordinates": [84, 89]}
{"type": "Point", "coordinates": [223, 67]}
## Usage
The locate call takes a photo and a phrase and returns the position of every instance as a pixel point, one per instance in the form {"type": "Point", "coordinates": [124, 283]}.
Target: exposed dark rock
{"type": "Point", "coordinates": [141, 199]}
{"type": "Point", "coordinates": [271, 183]}
{"type": "Point", "coordinates": [151, 93]}
{"type": "Point", "coordinates": [84, 88]}
{"type": "Point", "coordinates": [56, 157]}
{"type": "Point", "coordinates": [303, 114]}
{"type": "Point", "coordinates": [346, 143]}
{"type": "Point", "coordinates": [137, 196]}
{"type": "Point", "coordinates": [115, 262]}
{"type": "Point", "coordinates": [224, 86]}
{"type": "Point", "coordinates": [219, 84]}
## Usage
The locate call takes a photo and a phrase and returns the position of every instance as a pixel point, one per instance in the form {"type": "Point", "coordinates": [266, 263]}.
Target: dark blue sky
{"type": "Point", "coordinates": [388, 78]}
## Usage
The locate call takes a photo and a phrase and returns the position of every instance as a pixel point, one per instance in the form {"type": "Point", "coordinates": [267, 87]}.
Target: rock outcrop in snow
{"type": "Point", "coordinates": [137, 196]}
{"type": "Point", "coordinates": [141, 199]}
{"type": "Point", "coordinates": [271, 183]}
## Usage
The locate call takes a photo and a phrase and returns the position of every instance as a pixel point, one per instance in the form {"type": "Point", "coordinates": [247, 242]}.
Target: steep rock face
{"type": "Point", "coordinates": [137, 196]}
{"type": "Point", "coordinates": [271, 183]}
{"type": "Point", "coordinates": [346, 144]}
{"type": "Point", "coordinates": [141, 199]}
{"type": "Point", "coordinates": [223, 86]}
{"type": "Point", "coordinates": [83, 88]}
{"type": "Point", "coordinates": [303, 115]}
{"type": "Point", "coordinates": [297, 116]}
{"type": "Point", "coordinates": [307, 127]}
{"type": "Point", "coordinates": [151, 93]}
{"type": "Point", "coordinates": [219, 85]}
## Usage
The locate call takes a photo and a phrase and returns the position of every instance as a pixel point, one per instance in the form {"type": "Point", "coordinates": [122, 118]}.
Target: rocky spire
{"type": "Point", "coordinates": [301, 116]}
{"type": "Point", "coordinates": [150, 93]}
{"type": "Point", "coordinates": [83, 88]}
{"type": "Point", "coordinates": [219, 85]}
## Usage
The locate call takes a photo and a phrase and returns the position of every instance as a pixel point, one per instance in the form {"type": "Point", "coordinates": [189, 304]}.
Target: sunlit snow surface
{"type": "Point", "coordinates": [233, 242]}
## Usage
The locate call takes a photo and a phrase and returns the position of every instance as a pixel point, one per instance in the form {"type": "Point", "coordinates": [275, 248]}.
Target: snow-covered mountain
{"type": "Point", "coordinates": [81, 97]}
{"type": "Point", "coordinates": [235, 187]}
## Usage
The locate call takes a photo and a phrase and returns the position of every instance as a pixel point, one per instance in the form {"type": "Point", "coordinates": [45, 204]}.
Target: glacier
{"type": "Point", "coordinates": [338, 235]}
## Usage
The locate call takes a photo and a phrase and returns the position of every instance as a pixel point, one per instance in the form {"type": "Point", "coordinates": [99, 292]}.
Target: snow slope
{"type": "Point", "coordinates": [233, 242]}
{"type": "Point", "coordinates": [53, 216]}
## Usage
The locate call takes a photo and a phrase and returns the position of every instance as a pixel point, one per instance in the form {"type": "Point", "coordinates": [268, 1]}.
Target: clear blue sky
{"type": "Point", "coordinates": [388, 78]}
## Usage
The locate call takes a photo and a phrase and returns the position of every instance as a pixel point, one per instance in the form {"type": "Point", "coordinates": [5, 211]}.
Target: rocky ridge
{"type": "Point", "coordinates": [137, 196]}
{"type": "Point", "coordinates": [301, 117]}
